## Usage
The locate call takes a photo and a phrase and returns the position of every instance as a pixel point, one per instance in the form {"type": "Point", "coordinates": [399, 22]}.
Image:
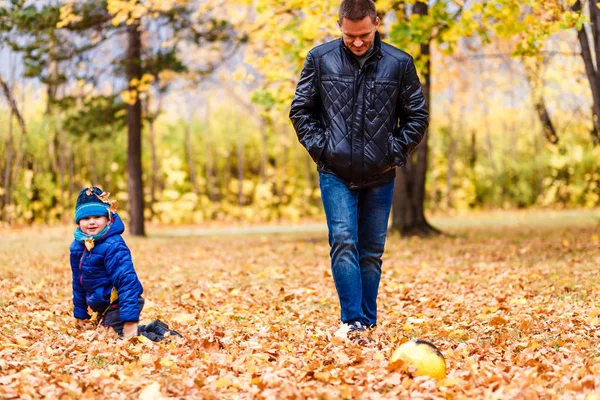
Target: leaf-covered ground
{"type": "Point", "coordinates": [514, 307]}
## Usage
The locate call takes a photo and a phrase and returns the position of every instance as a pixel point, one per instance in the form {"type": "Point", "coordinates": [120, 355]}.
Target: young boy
{"type": "Point", "coordinates": [105, 283]}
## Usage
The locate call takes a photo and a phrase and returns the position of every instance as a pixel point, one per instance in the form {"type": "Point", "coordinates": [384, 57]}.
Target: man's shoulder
{"type": "Point", "coordinates": [396, 53]}
{"type": "Point", "coordinates": [324, 48]}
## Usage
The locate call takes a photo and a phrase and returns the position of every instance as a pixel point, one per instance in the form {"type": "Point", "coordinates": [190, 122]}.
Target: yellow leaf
{"type": "Point", "coordinates": [166, 362]}
{"type": "Point", "coordinates": [457, 333]}
{"type": "Point", "coordinates": [322, 376]}
{"type": "Point", "coordinates": [114, 295]}
{"type": "Point", "coordinates": [104, 197]}
{"type": "Point", "coordinates": [408, 327]}
{"type": "Point", "coordinates": [147, 78]}
{"type": "Point", "coordinates": [89, 244]}
{"type": "Point", "coordinates": [223, 382]}
{"type": "Point", "coordinates": [129, 96]}
{"type": "Point", "coordinates": [533, 345]}
{"type": "Point", "coordinates": [113, 206]}
{"type": "Point", "coordinates": [239, 74]}
{"type": "Point", "coordinates": [144, 340]}
{"type": "Point", "coordinates": [518, 301]}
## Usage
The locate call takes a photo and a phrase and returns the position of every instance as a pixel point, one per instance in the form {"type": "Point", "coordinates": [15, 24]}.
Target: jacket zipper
{"type": "Point", "coordinates": [356, 76]}
{"type": "Point", "coordinates": [81, 274]}
{"type": "Point", "coordinates": [361, 127]}
{"type": "Point", "coordinates": [373, 93]}
{"type": "Point", "coordinates": [354, 86]}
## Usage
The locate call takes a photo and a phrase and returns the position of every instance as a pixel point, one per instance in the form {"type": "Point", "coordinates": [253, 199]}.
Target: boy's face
{"type": "Point", "coordinates": [93, 225]}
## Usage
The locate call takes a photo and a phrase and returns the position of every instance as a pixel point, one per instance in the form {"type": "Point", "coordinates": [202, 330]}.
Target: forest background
{"type": "Point", "coordinates": [180, 107]}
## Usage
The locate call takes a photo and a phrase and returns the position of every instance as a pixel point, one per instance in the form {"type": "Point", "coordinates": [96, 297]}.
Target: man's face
{"type": "Point", "coordinates": [358, 35]}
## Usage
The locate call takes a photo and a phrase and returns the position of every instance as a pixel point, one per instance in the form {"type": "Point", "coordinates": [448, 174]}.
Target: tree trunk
{"type": "Point", "coordinates": [408, 216]}
{"type": "Point", "coordinates": [533, 75]}
{"type": "Point", "coordinates": [134, 127]}
{"type": "Point", "coordinates": [13, 105]}
{"type": "Point", "coordinates": [592, 71]}
{"type": "Point", "coordinates": [547, 125]}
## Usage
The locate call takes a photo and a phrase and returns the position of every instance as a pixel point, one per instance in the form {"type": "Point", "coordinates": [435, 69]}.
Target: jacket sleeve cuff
{"type": "Point", "coordinates": [80, 314]}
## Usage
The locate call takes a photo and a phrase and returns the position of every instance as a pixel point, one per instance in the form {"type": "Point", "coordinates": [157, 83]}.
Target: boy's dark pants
{"type": "Point", "coordinates": [154, 331]}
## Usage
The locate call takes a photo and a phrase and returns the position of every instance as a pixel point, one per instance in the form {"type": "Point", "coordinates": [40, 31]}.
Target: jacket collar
{"type": "Point", "coordinates": [117, 227]}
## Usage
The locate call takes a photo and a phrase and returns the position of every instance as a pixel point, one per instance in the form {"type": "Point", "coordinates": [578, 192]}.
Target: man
{"type": "Point", "coordinates": [359, 110]}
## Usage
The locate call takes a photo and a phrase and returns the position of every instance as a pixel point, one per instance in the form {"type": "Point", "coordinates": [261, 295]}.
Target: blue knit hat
{"type": "Point", "coordinates": [92, 202]}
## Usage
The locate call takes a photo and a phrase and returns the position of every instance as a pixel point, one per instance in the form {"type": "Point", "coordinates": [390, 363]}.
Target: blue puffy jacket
{"type": "Point", "coordinates": [96, 272]}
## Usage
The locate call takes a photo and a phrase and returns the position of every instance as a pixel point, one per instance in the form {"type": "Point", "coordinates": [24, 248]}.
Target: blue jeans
{"type": "Point", "coordinates": [357, 220]}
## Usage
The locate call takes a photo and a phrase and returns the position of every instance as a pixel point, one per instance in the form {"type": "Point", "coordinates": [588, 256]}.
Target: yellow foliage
{"type": "Point", "coordinates": [129, 96]}
{"type": "Point", "coordinates": [166, 76]}
{"type": "Point", "coordinates": [67, 16]}
{"type": "Point", "coordinates": [239, 74]}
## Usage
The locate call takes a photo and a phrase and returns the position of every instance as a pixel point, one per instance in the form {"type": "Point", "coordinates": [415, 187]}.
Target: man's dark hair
{"type": "Point", "coordinates": [357, 10]}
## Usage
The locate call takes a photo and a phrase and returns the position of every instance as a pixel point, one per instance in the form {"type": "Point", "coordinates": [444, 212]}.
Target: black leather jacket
{"type": "Point", "coordinates": [359, 123]}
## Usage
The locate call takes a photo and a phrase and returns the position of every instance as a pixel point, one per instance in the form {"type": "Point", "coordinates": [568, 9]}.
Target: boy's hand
{"type": "Point", "coordinates": [130, 329]}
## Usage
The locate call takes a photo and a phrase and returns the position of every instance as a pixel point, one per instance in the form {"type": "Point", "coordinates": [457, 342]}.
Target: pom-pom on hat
{"type": "Point", "coordinates": [92, 202]}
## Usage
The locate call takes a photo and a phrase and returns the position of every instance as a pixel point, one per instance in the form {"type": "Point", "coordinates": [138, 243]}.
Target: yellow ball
{"type": "Point", "coordinates": [422, 355]}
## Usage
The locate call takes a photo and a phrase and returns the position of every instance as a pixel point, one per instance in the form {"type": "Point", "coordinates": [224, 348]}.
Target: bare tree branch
{"type": "Point", "coordinates": [12, 103]}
